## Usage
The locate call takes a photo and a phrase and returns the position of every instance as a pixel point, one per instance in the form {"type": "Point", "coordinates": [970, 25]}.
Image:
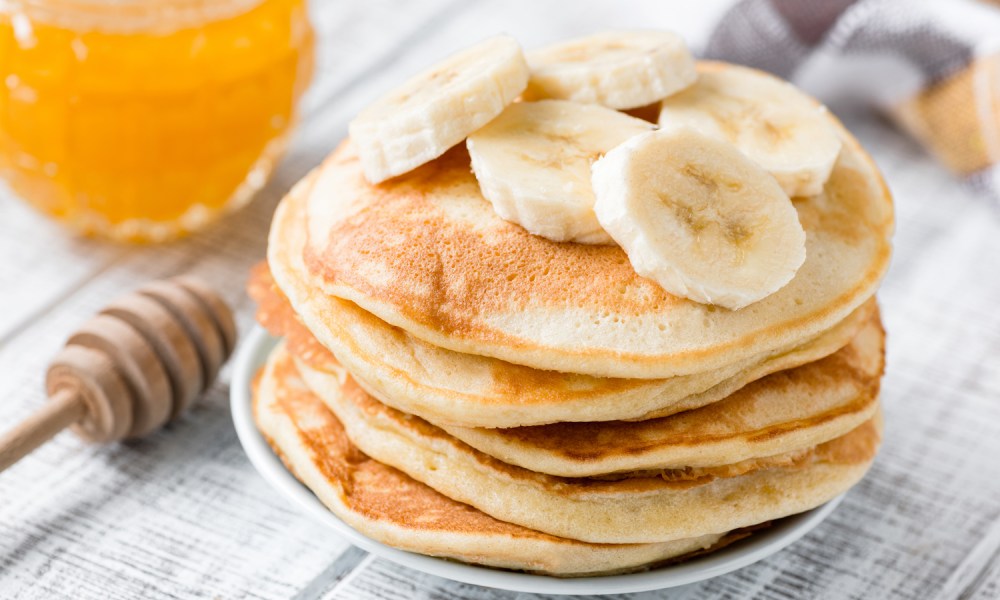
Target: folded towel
{"type": "Point", "coordinates": [932, 66]}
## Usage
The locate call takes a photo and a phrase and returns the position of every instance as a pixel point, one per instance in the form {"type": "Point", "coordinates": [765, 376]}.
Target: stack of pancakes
{"type": "Point", "coordinates": [452, 385]}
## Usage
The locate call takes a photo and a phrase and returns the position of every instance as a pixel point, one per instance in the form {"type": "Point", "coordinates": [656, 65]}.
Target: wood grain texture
{"type": "Point", "coordinates": [62, 409]}
{"type": "Point", "coordinates": [181, 514]}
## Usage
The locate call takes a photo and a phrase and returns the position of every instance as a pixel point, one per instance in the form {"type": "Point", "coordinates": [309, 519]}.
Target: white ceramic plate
{"type": "Point", "coordinates": [252, 356]}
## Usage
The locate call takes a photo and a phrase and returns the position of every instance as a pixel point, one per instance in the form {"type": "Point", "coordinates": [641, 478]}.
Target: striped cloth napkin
{"type": "Point", "coordinates": [932, 65]}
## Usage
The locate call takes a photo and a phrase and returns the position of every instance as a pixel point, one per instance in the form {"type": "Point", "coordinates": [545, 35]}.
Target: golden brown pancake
{"type": "Point", "coordinates": [388, 506]}
{"type": "Point", "coordinates": [427, 253]}
{"type": "Point", "coordinates": [476, 391]}
{"type": "Point", "coordinates": [667, 506]}
{"type": "Point", "coordinates": [794, 408]}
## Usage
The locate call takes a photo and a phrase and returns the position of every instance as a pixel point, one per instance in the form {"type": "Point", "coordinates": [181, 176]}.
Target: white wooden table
{"type": "Point", "coordinates": [183, 515]}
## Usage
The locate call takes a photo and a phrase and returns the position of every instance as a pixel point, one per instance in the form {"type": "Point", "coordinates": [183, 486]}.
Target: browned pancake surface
{"type": "Point", "coordinates": [853, 372]}
{"type": "Point", "coordinates": [426, 252]}
{"type": "Point", "coordinates": [388, 506]}
{"type": "Point", "coordinates": [369, 487]}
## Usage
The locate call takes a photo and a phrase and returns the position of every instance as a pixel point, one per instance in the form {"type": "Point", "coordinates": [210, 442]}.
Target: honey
{"type": "Point", "coordinates": [141, 120]}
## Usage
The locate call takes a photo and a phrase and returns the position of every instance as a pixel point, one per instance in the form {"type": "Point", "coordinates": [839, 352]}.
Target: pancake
{"type": "Point", "coordinates": [427, 253]}
{"type": "Point", "coordinates": [469, 390]}
{"type": "Point", "coordinates": [644, 508]}
{"type": "Point", "coordinates": [388, 506]}
{"type": "Point", "coordinates": [797, 408]}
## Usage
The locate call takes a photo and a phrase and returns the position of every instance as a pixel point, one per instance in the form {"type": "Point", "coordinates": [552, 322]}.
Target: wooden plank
{"type": "Point", "coordinates": [387, 581]}
{"type": "Point", "coordinates": [979, 572]}
{"type": "Point", "coordinates": [42, 264]}
{"type": "Point", "coordinates": [351, 561]}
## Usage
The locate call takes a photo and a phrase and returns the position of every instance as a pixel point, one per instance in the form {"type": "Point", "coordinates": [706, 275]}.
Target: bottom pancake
{"type": "Point", "coordinates": [386, 505]}
{"type": "Point", "coordinates": [666, 506]}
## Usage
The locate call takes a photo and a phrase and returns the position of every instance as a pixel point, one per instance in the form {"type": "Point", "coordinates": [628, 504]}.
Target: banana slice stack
{"type": "Point", "coordinates": [700, 202]}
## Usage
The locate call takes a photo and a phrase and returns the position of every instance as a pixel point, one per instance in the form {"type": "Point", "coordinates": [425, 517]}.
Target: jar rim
{"type": "Point", "coordinates": [126, 16]}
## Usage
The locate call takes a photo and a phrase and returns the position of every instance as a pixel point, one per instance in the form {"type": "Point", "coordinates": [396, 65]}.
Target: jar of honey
{"type": "Point", "coordinates": [142, 120]}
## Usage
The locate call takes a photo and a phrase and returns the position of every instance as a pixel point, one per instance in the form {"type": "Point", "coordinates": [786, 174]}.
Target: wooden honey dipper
{"type": "Point", "coordinates": [132, 368]}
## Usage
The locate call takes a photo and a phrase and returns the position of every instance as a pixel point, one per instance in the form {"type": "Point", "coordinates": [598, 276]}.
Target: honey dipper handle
{"type": "Point", "coordinates": [62, 410]}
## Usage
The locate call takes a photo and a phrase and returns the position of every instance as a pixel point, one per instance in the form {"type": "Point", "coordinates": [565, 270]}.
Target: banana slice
{"type": "Point", "coordinates": [620, 69]}
{"type": "Point", "coordinates": [437, 108]}
{"type": "Point", "coordinates": [698, 217]}
{"type": "Point", "coordinates": [769, 120]}
{"type": "Point", "coordinates": [533, 164]}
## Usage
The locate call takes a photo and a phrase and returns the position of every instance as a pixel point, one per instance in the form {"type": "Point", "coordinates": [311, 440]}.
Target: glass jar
{"type": "Point", "coordinates": [142, 120]}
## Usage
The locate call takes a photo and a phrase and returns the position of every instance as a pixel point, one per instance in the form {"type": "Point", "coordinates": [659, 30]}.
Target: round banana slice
{"type": "Point", "coordinates": [533, 164]}
{"type": "Point", "coordinates": [618, 69]}
{"type": "Point", "coordinates": [434, 110]}
{"type": "Point", "coordinates": [698, 217]}
{"type": "Point", "coordinates": [768, 119]}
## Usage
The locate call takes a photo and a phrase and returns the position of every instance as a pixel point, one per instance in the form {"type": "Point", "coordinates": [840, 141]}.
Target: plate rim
{"type": "Point", "coordinates": [251, 355]}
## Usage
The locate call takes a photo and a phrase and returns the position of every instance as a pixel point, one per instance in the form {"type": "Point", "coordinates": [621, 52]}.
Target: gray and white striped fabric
{"type": "Point", "coordinates": [932, 66]}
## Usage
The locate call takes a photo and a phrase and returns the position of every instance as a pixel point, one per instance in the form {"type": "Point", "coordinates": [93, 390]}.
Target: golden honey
{"type": "Point", "coordinates": [143, 119]}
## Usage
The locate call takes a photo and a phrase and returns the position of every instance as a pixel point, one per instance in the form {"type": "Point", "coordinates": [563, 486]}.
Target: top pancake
{"type": "Point", "coordinates": [427, 253]}
{"type": "Point", "coordinates": [478, 391]}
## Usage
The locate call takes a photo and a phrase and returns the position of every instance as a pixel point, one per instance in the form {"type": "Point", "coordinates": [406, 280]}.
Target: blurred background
{"type": "Point", "coordinates": [181, 123]}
